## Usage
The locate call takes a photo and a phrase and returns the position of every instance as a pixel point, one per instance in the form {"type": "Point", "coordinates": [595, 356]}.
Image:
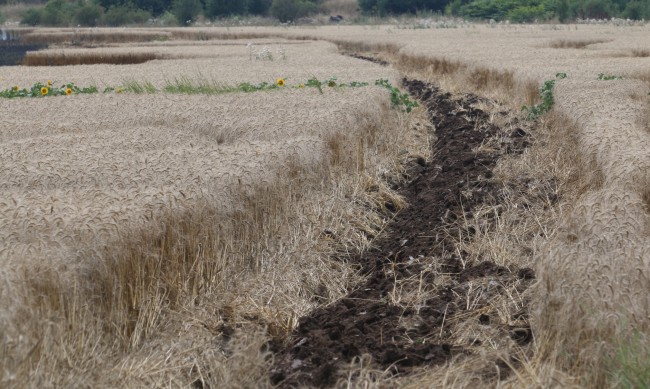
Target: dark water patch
{"type": "Point", "coordinates": [13, 49]}
{"type": "Point", "coordinates": [12, 53]}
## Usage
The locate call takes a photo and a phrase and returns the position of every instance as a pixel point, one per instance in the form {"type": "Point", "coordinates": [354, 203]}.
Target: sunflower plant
{"type": "Point", "coordinates": [188, 86]}
{"type": "Point", "coordinates": [40, 89]}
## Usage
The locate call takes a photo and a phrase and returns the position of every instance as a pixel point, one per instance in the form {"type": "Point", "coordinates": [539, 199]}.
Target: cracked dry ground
{"type": "Point", "coordinates": [419, 249]}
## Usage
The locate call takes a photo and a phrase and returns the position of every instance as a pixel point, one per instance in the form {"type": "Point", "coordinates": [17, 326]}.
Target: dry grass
{"type": "Point", "coordinates": [536, 188]}
{"type": "Point", "coordinates": [192, 287]}
{"type": "Point", "coordinates": [50, 58]}
{"type": "Point", "coordinates": [590, 248]}
{"type": "Point", "coordinates": [631, 53]}
{"type": "Point", "coordinates": [204, 60]}
{"type": "Point", "coordinates": [644, 117]}
{"type": "Point", "coordinates": [112, 36]}
{"type": "Point", "coordinates": [575, 44]}
{"type": "Point", "coordinates": [210, 34]}
{"type": "Point", "coordinates": [439, 66]}
{"type": "Point", "coordinates": [356, 46]}
{"type": "Point", "coordinates": [581, 168]}
{"type": "Point", "coordinates": [145, 282]}
{"type": "Point", "coordinates": [643, 76]}
{"type": "Point", "coordinates": [498, 84]}
{"type": "Point", "coordinates": [640, 53]}
{"type": "Point", "coordinates": [488, 79]}
{"type": "Point", "coordinates": [88, 37]}
{"type": "Point", "coordinates": [646, 200]}
{"type": "Point", "coordinates": [592, 274]}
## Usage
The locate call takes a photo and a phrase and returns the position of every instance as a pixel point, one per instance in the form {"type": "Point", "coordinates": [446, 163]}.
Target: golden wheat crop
{"type": "Point", "coordinates": [85, 169]}
{"type": "Point", "coordinates": [115, 160]}
{"type": "Point", "coordinates": [593, 271]}
{"type": "Point", "coordinates": [130, 219]}
{"type": "Point", "coordinates": [514, 47]}
{"type": "Point", "coordinates": [229, 64]}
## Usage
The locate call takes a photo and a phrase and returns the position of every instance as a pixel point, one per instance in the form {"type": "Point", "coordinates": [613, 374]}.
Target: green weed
{"type": "Point", "coordinates": [48, 89]}
{"type": "Point", "coordinates": [331, 83]}
{"type": "Point", "coordinates": [397, 98]}
{"type": "Point", "coordinates": [201, 85]}
{"type": "Point", "coordinates": [608, 77]}
{"type": "Point", "coordinates": [546, 94]}
{"type": "Point", "coordinates": [630, 364]}
{"type": "Point", "coordinates": [134, 86]}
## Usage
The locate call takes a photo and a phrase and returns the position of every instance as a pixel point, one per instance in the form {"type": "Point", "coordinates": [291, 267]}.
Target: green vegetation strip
{"type": "Point", "coordinates": [608, 77]}
{"type": "Point", "coordinates": [186, 85]}
{"type": "Point", "coordinates": [47, 89]}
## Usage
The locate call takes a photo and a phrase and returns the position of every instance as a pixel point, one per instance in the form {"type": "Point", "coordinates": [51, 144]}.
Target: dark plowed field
{"type": "Point", "coordinates": [420, 243]}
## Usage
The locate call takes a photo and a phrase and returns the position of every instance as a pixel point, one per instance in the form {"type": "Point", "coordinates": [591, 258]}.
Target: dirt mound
{"type": "Point", "coordinates": [420, 243]}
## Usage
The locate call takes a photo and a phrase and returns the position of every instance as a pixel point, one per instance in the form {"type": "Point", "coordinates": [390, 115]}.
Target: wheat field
{"type": "Point", "coordinates": [94, 184]}
{"type": "Point", "coordinates": [137, 228]}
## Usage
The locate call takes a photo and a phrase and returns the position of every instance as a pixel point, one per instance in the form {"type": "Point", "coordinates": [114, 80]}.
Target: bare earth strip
{"type": "Point", "coordinates": [78, 172]}
{"type": "Point", "coordinates": [594, 269]}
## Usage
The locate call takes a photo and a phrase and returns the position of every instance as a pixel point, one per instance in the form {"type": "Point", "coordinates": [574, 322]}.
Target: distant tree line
{"type": "Point", "coordinates": [124, 12]}
{"type": "Point", "coordinates": [517, 11]}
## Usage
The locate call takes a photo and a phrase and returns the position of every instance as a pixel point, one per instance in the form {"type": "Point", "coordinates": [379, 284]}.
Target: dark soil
{"type": "Point", "coordinates": [446, 191]}
{"type": "Point", "coordinates": [366, 58]}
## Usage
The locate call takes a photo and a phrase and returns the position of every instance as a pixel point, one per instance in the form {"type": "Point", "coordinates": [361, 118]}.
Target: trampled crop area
{"type": "Point", "coordinates": [260, 207]}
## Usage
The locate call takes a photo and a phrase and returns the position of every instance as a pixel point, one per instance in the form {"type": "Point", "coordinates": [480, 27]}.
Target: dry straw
{"type": "Point", "coordinates": [588, 245]}
{"type": "Point", "coordinates": [591, 260]}
{"type": "Point", "coordinates": [178, 223]}
{"type": "Point", "coordinates": [61, 59]}
{"type": "Point", "coordinates": [574, 44]}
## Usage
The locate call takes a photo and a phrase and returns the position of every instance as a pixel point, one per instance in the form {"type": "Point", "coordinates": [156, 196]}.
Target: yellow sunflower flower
{"type": "Point", "coordinates": [44, 91]}
{"type": "Point", "coordinates": [68, 91]}
{"type": "Point", "coordinates": [15, 88]}
{"type": "Point", "coordinates": [279, 82]}
{"type": "Point", "coordinates": [118, 90]}
{"type": "Point", "coordinates": [49, 82]}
